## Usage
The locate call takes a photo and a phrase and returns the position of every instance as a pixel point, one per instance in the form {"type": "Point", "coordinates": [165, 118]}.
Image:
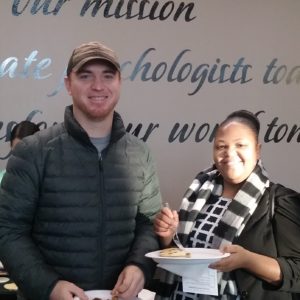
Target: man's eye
{"type": "Point", "coordinates": [84, 76]}
{"type": "Point", "coordinates": [221, 147]}
{"type": "Point", "coordinates": [109, 76]}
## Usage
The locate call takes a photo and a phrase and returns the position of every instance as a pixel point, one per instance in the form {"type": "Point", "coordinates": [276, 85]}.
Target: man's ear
{"type": "Point", "coordinates": [68, 85]}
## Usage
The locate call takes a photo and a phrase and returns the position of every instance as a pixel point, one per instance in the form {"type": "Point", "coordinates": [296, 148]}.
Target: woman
{"type": "Point", "coordinates": [19, 131]}
{"type": "Point", "coordinates": [229, 207]}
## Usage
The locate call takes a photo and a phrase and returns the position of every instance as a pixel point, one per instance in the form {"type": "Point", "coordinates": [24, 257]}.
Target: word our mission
{"type": "Point", "coordinates": [130, 9]}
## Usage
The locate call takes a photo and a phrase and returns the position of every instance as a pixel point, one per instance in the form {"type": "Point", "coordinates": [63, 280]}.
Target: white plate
{"type": "Point", "coordinates": [198, 256]}
{"type": "Point", "coordinates": [4, 279]}
{"type": "Point", "coordinates": [102, 294]}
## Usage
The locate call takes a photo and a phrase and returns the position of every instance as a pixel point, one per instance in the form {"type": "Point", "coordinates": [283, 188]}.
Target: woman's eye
{"type": "Point", "coordinates": [241, 145]}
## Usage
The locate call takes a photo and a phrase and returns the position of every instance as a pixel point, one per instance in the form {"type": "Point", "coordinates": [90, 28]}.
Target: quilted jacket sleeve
{"type": "Point", "coordinates": [18, 203]}
{"type": "Point", "coordinates": [150, 204]}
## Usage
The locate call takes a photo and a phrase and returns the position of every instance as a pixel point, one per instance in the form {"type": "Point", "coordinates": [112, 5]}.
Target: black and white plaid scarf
{"type": "Point", "coordinates": [209, 184]}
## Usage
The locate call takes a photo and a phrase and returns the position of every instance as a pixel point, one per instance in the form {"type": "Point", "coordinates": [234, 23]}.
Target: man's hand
{"type": "Point", "coordinates": [64, 290]}
{"type": "Point", "coordinates": [130, 282]}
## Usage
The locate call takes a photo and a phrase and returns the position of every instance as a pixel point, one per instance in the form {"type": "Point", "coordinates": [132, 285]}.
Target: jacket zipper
{"type": "Point", "coordinates": [101, 221]}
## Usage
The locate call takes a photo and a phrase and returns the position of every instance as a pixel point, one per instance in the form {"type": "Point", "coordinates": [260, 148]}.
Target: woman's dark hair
{"type": "Point", "coordinates": [245, 117]}
{"type": "Point", "coordinates": [23, 129]}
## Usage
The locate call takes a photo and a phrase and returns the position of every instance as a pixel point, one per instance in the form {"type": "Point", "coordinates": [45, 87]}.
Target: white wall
{"type": "Point", "coordinates": [257, 40]}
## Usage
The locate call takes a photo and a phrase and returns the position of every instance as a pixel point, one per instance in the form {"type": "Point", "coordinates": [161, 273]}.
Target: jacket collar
{"type": "Point", "coordinates": [77, 132]}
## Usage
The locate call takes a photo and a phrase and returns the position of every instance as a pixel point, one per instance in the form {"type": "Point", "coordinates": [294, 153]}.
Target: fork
{"type": "Point", "coordinates": [175, 238]}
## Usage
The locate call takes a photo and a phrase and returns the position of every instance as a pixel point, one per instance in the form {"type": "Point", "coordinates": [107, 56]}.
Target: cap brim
{"type": "Point", "coordinates": [80, 64]}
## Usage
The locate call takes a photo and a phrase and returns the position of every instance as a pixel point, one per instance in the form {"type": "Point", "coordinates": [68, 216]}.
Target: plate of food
{"type": "Point", "coordinates": [100, 295]}
{"type": "Point", "coordinates": [186, 255]}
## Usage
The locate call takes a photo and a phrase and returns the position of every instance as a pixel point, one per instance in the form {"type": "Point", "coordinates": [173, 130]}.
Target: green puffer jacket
{"type": "Point", "coordinates": [65, 214]}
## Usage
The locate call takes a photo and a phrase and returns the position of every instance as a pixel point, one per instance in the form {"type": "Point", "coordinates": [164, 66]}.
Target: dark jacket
{"type": "Point", "coordinates": [276, 236]}
{"type": "Point", "coordinates": [66, 214]}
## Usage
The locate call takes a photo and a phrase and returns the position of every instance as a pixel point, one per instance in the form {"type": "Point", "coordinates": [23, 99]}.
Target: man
{"type": "Point", "coordinates": [78, 199]}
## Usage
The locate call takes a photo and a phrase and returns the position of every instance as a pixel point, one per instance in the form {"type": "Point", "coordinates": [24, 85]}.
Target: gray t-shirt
{"type": "Point", "coordinates": [100, 143]}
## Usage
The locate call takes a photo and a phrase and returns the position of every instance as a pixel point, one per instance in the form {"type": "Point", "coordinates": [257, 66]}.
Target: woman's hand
{"type": "Point", "coordinates": [165, 225]}
{"type": "Point", "coordinates": [264, 267]}
{"type": "Point", "coordinates": [238, 259]}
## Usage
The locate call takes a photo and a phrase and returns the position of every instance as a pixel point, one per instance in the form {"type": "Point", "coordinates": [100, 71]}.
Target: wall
{"type": "Point", "coordinates": [185, 66]}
